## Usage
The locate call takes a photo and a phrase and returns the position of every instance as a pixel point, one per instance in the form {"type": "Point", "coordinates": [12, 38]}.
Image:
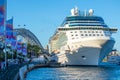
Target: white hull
{"type": "Point", "coordinates": [87, 55]}
{"type": "Point", "coordinates": [82, 39]}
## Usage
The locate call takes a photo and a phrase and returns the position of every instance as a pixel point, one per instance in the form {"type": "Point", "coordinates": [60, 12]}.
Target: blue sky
{"type": "Point", "coordinates": [42, 17]}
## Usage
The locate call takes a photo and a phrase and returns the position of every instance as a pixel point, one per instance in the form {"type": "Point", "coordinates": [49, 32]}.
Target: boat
{"type": "Point", "coordinates": [82, 39]}
{"type": "Point", "coordinates": [114, 57]}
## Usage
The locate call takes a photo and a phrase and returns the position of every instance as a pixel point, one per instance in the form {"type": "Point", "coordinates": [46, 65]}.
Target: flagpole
{"type": "Point", "coordinates": [5, 16]}
{"type": "Point", "coordinates": [12, 35]}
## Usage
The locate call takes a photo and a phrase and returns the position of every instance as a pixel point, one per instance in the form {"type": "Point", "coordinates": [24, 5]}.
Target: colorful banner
{"type": "Point", "coordinates": [9, 31]}
{"type": "Point", "coordinates": [9, 25]}
{"type": "Point", "coordinates": [19, 47]}
{"type": "Point", "coordinates": [13, 44]}
{"type": "Point", "coordinates": [24, 49]}
{"type": "Point", "coordinates": [14, 41]}
{"type": "Point", "coordinates": [9, 28]}
{"type": "Point", "coordinates": [2, 16]}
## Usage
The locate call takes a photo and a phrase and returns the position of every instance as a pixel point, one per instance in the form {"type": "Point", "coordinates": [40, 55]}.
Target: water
{"type": "Point", "coordinates": [75, 73]}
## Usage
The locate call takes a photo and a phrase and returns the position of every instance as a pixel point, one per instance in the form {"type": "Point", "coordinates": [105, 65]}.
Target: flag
{"type": "Point", "coordinates": [9, 31]}
{"type": "Point", "coordinates": [24, 49]}
{"type": "Point", "coordinates": [19, 46]}
{"type": "Point", "coordinates": [14, 41]}
{"type": "Point", "coordinates": [9, 25]}
{"type": "Point", "coordinates": [9, 28]}
{"type": "Point", "coordinates": [13, 44]}
{"type": "Point", "coordinates": [2, 16]}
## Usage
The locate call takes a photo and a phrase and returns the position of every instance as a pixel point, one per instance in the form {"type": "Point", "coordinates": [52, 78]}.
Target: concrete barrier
{"type": "Point", "coordinates": [22, 72]}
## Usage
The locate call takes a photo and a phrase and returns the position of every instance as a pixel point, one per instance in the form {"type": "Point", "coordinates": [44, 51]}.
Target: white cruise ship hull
{"type": "Point", "coordinates": [82, 39]}
{"type": "Point", "coordinates": [92, 53]}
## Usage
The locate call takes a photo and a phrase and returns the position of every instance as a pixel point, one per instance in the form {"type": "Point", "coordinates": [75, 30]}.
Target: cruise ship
{"type": "Point", "coordinates": [82, 39]}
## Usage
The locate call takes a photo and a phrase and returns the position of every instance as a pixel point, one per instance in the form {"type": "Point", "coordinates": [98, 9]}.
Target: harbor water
{"type": "Point", "coordinates": [75, 73]}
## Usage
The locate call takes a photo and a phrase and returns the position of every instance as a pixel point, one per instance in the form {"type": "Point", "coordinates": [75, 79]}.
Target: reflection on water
{"type": "Point", "coordinates": [75, 73]}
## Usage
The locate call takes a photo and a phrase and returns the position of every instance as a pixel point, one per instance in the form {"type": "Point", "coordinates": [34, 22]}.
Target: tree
{"type": "Point", "coordinates": [34, 50]}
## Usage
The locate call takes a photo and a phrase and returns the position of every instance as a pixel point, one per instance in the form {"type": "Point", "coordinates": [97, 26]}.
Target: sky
{"type": "Point", "coordinates": [42, 17]}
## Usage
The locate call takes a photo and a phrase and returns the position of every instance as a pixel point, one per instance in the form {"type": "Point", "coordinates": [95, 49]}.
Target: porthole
{"type": "Point", "coordinates": [83, 57]}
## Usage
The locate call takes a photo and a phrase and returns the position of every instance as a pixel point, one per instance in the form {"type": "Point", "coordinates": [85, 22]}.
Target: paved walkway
{"type": "Point", "coordinates": [10, 72]}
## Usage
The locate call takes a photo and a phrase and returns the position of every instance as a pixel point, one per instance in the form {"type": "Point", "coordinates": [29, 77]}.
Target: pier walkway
{"type": "Point", "coordinates": [11, 71]}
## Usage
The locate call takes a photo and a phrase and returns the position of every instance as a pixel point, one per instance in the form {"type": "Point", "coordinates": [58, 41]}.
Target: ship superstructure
{"type": "Point", "coordinates": [82, 39]}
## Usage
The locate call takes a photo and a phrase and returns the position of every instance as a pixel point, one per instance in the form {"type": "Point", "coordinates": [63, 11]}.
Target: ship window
{"type": "Point", "coordinates": [89, 34]}
{"type": "Point", "coordinates": [86, 34]}
{"type": "Point", "coordinates": [96, 31]}
{"type": "Point", "coordinates": [71, 32]}
{"type": "Point", "coordinates": [73, 38]}
{"type": "Point", "coordinates": [81, 34]}
{"type": "Point", "coordinates": [76, 35]}
{"type": "Point", "coordinates": [88, 31]}
{"type": "Point", "coordinates": [92, 31]}
{"type": "Point", "coordinates": [75, 31]}
{"type": "Point", "coordinates": [85, 31]}
{"type": "Point", "coordinates": [80, 31]}
{"type": "Point", "coordinates": [93, 34]}
{"type": "Point", "coordinates": [101, 34]}
{"type": "Point", "coordinates": [71, 35]}
{"type": "Point", "coordinates": [83, 57]}
{"type": "Point", "coordinates": [97, 34]}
